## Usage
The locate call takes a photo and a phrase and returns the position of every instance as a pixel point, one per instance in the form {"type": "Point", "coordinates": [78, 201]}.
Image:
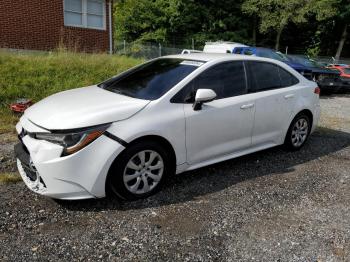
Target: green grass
{"type": "Point", "coordinates": [38, 75]}
{"type": "Point", "coordinates": [9, 178]}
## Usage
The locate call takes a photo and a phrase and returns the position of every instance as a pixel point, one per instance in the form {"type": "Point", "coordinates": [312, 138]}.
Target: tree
{"type": "Point", "coordinates": [178, 21]}
{"type": "Point", "coordinates": [343, 16]}
{"type": "Point", "coordinates": [275, 15]}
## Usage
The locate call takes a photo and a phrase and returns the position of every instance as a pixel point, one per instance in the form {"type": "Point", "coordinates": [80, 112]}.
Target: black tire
{"type": "Point", "coordinates": [115, 181]}
{"type": "Point", "coordinates": [288, 142]}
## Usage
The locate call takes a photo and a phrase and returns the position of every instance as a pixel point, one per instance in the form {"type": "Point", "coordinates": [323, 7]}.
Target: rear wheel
{"type": "Point", "coordinates": [298, 132]}
{"type": "Point", "coordinates": [139, 171]}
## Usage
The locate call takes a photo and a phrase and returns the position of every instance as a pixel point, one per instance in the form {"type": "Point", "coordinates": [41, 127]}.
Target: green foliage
{"type": "Point", "coordinates": [275, 15]}
{"type": "Point", "coordinates": [343, 10]}
{"type": "Point", "coordinates": [177, 21]}
{"type": "Point", "coordinates": [314, 48]}
{"type": "Point", "coordinates": [36, 76]}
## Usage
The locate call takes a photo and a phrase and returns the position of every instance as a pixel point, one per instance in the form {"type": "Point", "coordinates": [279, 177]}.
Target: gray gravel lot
{"type": "Point", "coordinates": [269, 206]}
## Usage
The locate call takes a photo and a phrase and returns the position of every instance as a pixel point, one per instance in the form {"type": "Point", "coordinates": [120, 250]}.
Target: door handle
{"type": "Point", "coordinates": [247, 106]}
{"type": "Point", "coordinates": [289, 96]}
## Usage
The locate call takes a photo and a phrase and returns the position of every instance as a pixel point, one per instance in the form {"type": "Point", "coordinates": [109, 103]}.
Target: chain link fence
{"type": "Point", "coordinates": [149, 51]}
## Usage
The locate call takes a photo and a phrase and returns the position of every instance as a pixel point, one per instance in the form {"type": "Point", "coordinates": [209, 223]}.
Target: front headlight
{"type": "Point", "coordinates": [73, 141]}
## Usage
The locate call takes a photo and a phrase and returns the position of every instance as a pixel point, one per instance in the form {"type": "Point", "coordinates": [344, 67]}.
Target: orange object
{"type": "Point", "coordinates": [21, 105]}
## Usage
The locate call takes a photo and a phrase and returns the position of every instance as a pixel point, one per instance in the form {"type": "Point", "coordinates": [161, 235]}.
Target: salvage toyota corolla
{"type": "Point", "coordinates": [126, 135]}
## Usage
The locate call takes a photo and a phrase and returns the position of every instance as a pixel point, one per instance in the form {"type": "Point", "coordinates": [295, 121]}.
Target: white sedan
{"type": "Point", "coordinates": [126, 135]}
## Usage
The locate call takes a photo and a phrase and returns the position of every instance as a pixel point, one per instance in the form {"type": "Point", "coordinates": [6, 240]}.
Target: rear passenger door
{"type": "Point", "coordinates": [275, 98]}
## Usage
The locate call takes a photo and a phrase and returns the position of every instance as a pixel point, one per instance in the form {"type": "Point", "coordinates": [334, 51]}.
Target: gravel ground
{"type": "Point", "coordinates": [268, 206]}
{"type": "Point", "coordinates": [7, 160]}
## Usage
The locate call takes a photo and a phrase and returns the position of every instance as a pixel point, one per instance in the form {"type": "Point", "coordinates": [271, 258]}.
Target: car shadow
{"type": "Point", "coordinates": [195, 184]}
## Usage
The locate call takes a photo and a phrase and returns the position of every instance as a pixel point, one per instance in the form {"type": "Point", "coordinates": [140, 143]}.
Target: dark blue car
{"type": "Point", "coordinates": [269, 53]}
{"type": "Point", "coordinates": [327, 79]}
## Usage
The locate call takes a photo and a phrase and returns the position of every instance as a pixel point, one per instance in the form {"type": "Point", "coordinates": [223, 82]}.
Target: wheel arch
{"type": "Point", "coordinates": [308, 113]}
{"type": "Point", "coordinates": [160, 140]}
{"type": "Point", "coordinates": [305, 111]}
{"type": "Point", "coordinates": [154, 138]}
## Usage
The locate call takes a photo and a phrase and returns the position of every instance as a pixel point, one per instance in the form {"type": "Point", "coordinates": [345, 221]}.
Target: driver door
{"type": "Point", "coordinates": [224, 125]}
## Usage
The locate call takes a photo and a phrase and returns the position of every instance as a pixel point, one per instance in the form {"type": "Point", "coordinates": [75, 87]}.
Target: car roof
{"type": "Point", "coordinates": [206, 57]}
{"type": "Point", "coordinates": [228, 44]}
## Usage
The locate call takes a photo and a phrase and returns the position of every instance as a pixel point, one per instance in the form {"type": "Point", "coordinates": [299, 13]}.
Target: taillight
{"type": "Point", "coordinates": [317, 91]}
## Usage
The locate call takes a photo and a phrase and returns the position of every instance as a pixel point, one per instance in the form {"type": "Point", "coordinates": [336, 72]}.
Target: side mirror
{"type": "Point", "coordinates": [203, 96]}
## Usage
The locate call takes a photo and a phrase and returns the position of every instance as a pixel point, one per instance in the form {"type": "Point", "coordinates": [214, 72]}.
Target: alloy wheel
{"type": "Point", "coordinates": [143, 172]}
{"type": "Point", "coordinates": [299, 132]}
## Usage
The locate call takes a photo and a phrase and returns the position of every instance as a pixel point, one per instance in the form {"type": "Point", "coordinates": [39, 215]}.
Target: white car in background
{"type": "Point", "coordinates": [221, 47]}
{"type": "Point", "coordinates": [169, 115]}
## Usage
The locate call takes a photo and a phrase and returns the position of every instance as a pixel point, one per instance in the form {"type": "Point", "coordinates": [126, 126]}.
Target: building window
{"type": "Point", "coordinates": [85, 13]}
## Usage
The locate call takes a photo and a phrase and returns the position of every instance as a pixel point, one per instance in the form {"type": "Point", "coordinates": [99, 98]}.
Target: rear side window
{"type": "Point", "coordinates": [226, 79]}
{"type": "Point", "coordinates": [264, 76]}
{"type": "Point", "coordinates": [248, 52]}
{"type": "Point", "coordinates": [287, 79]}
{"type": "Point", "coordinates": [237, 50]}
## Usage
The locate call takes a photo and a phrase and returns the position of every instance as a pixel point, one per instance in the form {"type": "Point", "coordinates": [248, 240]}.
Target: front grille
{"type": "Point", "coordinates": [26, 166]}
{"type": "Point", "coordinates": [30, 172]}
{"type": "Point", "coordinates": [327, 78]}
{"type": "Point", "coordinates": [22, 154]}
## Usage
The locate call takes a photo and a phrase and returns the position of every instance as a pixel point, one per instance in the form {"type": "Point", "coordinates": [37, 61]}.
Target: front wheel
{"type": "Point", "coordinates": [139, 171]}
{"type": "Point", "coordinates": [298, 132]}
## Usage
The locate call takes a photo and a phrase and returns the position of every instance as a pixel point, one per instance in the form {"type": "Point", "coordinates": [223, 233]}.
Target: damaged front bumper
{"type": "Point", "coordinates": [81, 175]}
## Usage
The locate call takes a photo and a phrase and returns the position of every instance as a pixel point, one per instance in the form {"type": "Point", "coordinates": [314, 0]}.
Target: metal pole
{"type": "Point", "coordinates": [124, 47]}
{"type": "Point", "coordinates": [192, 44]}
{"type": "Point", "coordinates": [160, 49]}
{"type": "Point", "coordinates": [286, 50]}
{"type": "Point", "coordinates": [110, 28]}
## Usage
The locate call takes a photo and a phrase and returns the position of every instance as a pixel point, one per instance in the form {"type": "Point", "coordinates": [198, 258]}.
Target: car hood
{"type": "Point", "coordinates": [320, 70]}
{"type": "Point", "coordinates": [83, 107]}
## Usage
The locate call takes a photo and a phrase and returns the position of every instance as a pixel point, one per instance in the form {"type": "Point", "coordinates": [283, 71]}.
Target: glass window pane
{"type": "Point", "coordinates": [72, 18]}
{"type": "Point", "coordinates": [150, 81]}
{"type": "Point", "coordinates": [94, 7]}
{"type": "Point", "coordinates": [234, 79]}
{"type": "Point", "coordinates": [287, 79]}
{"type": "Point", "coordinates": [227, 80]}
{"type": "Point", "coordinates": [263, 76]}
{"type": "Point", "coordinates": [95, 21]}
{"type": "Point", "coordinates": [73, 5]}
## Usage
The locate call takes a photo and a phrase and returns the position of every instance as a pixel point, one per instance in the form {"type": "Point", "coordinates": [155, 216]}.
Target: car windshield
{"type": "Point", "coordinates": [153, 79]}
{"type": "Point", "coordinates": [347, 71]}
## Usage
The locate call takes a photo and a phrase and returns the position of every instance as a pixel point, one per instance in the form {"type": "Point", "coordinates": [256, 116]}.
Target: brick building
{"type": "Point", "coordinates": [83, 25]}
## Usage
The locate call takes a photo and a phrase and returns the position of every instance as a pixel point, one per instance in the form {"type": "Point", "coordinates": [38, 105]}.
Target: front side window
{"type": "Point", "coordinates": [248, 52]}
{"type": "Point", "coordinates": [226, 80]}
{"type": "Point", "coordinates": [85, 13]}
{"type": "Point", "coordinates": [151, 80]}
